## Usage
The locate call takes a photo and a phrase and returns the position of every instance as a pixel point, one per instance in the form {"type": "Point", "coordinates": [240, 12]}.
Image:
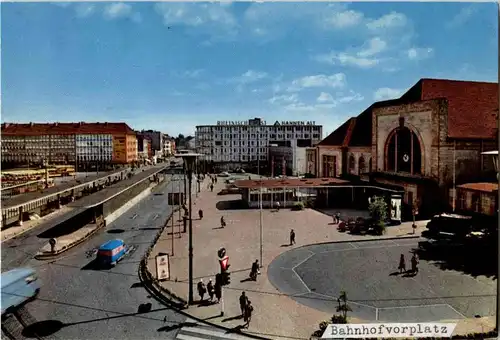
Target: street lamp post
{"type": "Point", "coordinates": [189, 164]}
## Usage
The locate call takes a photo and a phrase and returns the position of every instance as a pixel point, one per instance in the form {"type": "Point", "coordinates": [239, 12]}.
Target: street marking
{"type": "Point", "coordinates": [298, 276]}
{"type": "Point", "coordinates": [134, 217]}
{"type": "Point", "coordinates": [203, 331]}
{"type": "Point", "coordinates": [156, 216]}
{"type": "Point", "coordinates": [376, 314]}
{"type": "Point", "coordinates": [352, 245]}
{"type": "Point", "coordinates": [358, 248]}
{"type": "Point", "coordinates": [348, 301]}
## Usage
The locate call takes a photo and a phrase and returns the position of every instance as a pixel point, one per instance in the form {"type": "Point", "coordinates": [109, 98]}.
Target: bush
{"type": "Point", "coordinates": [339, 319]}
{"type": "Point", "coordinates": [298, 206]}
{"type": "Point", "coordinates": [379, 228]}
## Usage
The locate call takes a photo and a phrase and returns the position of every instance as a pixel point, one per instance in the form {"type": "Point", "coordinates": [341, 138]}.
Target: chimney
{"type": "Point", "coordinates": [31, 123]}
{"type": "Point", "coordinates": [80, 124]}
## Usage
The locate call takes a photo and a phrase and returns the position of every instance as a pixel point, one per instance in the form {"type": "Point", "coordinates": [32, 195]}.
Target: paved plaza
{"type": "Point", "coordinates": [361, 268]}
{"type": "Point", "coordinates": [315, 275]}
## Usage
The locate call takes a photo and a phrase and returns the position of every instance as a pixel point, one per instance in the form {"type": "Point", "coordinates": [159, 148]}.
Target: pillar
{"type": "Point", "coordinates": [20, 218]}
{"type": "Point", "coordinates": [58, 201]}
{"type": "Point", "coordinates": [73, 195]}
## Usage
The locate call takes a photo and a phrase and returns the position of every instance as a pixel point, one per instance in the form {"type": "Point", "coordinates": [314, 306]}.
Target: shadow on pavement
{"type": "Point", "coordinates": [473, 258]}
{"type": "Point", "coordinates": [42, 328]}
{"type": "Point", "coordinates": [178, 326]}
{"type": "Point", "coordinates": [232, 318]}
{"type": "Point", "coordinates": [115, 231]}
{"type": "Point", "coordinates": [231, 205]}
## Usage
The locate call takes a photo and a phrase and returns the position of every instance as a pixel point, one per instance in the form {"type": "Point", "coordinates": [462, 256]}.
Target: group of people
{"type": "Point", "coordinates": [413, 261]}
{"type": "Point", "coordinates": [212, 290]}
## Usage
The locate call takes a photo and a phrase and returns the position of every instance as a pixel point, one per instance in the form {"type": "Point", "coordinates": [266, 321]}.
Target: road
{"type": "Point", "coordinates": [93, 304]}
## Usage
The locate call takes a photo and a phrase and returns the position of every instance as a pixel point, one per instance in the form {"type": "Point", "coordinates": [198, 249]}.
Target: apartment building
{"type": "Point", "coordinates": [239, 143]}
{"type": "Point", "coordinates": [168, 145]}
{"type": "Point", "coordinates": [156, 138]}
{"type": "Point", "coordinates": [82, 144]}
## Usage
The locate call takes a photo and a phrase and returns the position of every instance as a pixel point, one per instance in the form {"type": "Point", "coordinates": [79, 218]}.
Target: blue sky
{"type": "Point", "coordinates": [171, 66]}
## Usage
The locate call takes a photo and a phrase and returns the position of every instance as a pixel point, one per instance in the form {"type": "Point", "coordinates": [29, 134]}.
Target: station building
{"type": "Point", "coordinates": [426, 143]}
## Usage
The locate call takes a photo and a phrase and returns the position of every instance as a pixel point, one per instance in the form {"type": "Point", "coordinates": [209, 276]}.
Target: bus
{"type": "Point", "coordinates": [19, 286]}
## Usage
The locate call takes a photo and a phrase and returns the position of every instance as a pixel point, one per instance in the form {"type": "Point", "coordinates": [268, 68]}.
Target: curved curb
{"type": "Point", "coordinates": [149, 285]}
{"type": "Point", "coordinates": [51, 256]}
{"type": "Point", "coordinates": [168, 298]}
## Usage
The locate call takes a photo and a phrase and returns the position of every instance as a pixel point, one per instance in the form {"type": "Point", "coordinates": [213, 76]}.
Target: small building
{"type": "Point", "coordinates": [318, 192]}
{"type": "Point", "coordinates": [478, 198]}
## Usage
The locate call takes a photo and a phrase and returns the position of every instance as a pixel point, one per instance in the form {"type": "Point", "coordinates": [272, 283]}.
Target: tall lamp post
{"type": "Point", "coordinates": [189, 164]}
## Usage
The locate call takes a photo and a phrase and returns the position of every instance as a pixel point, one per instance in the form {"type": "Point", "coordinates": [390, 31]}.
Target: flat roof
{"type": "Point", "coordinates": [31, 196]}
{"type": "Point", "coordinates": [288, 182]}
{"type": "Point", "coordinates": [483, 187]}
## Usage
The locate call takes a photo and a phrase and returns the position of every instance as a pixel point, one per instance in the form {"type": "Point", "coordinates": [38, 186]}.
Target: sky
{"type": "Point", "coordinates": [172, 66]}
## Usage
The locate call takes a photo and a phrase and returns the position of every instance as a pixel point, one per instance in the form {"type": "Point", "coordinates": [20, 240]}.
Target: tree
{"type": "Point", "coordinates": [343, 306]}
{"type": "Point", "coordinates": [378, 213]}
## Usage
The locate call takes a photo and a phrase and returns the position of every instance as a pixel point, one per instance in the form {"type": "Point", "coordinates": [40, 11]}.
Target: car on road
{"type": "Point", "coordinates": [224, 174]}
{"type": "Point", "coordinates": [19, 286]}
{"type": "Point", "coordinates": [111, 252]}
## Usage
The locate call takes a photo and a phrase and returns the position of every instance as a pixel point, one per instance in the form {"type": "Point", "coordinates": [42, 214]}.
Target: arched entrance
{"type": "Point", "coordinates": [403, 152]}
{"type": "Point", "coordinates": [361, 165]}
{"type": "Point", "coordinates": [352, 164]}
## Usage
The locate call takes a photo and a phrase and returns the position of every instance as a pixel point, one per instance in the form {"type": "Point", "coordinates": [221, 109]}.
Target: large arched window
{"type": "Point", "coordinates": [361, 165]}
{"type": "Point", "coordinates": [352, 163]}
{"type": "Point", "coordinates": [404, 153]}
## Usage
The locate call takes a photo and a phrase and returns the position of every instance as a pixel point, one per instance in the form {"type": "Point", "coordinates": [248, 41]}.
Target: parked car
{"type": "Point", "coordinates": [224, 174]}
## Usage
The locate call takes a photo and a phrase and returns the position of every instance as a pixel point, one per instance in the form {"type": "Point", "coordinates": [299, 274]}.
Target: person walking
{"type": "Point", "coordinates": [200, 214]}
{"type": "Point", "coordinates": [292, 237]}
{"type": "Point", "coordinates": [337, 217]}
{"type": "Point", "coordinates": [402, 264]}
{"type": "Point", "coordinates": [248, 313]}
{"type": "Point", "coordinates": [218, 292]}
{"type": "Point", "coordinates": [255, 270]}
{"type": "Point", "coordinates": [222, 222]}
{"type": "Point", "coordinates": [243, 303]}
{"type": "Point", "coordinates": [210, 289]}
{"type": "Point", "coordinates": [201, 289]}
{"type": "Point", "coordinates": [414, 264]}
{"type": "Point", "coordinates": [277, 206]}
{"type": "Point", "coordinates": [212, 187]}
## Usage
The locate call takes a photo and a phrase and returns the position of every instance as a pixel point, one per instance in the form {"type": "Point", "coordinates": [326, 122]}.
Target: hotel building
{"type": "Point", "coordinates": [232, 144]}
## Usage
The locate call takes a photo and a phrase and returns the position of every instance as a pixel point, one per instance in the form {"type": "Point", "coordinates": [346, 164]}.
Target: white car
{"type": "Point", "coordinates": [224, 174]}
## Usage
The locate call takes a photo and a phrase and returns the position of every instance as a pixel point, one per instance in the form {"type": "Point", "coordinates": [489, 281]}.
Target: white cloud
{"type": "Point", "coordinates": [462, 17]}
{"type": "Point", "coordinates": [324, 98]}
{"type": "Point", "coordinates": [84, 9]}
{"type": "Point", "coordinates": [192, 73]}
{"type": "Point", "coordinates": [388, 21]}
{"type": "Point", "coordinates": [120, 10]}
{"type": "Point", "coordinates": [216, 18]}
{"type": "Point", "coordinates": [372, 47]}
{"type": "Point", "coordinates": [249, 76]}
{"type": "Point", "coordinates": [417, 53]}
{"type": "Point", "coordinates": [385, 93]}
{"type": "Point", "coordinates": [284, 99]}
{"type": "Point", "coordinates": [347, 98]}
{"type": "Point", "coordinates": [344, 19]}
{"type": "Point", "coordinates": [321, 80]}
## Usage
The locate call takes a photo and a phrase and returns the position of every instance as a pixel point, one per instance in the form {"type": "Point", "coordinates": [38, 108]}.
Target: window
{"type": "Point", "coordinates": [352, 163]}
{"type": "Point", "coordinates": [403, 152]}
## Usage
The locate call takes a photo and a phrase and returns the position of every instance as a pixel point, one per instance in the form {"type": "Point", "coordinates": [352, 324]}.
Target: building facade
{"type": "Point", "coordinates": [426, 142]}
{"type": "Point", "coordinates": [85, 145]}
{"type": "Point", "coordinates": [243, 143]}
{"type": "Point", "coordinates": [168, 145]}
{"type": "Point", "coordinates": [156, 138]}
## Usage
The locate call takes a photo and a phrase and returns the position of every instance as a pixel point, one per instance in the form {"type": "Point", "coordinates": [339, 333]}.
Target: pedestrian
{"type": "Point", "coordinates": [210, 289]}
{"type": "Point", "coordinates": [200, 213]}
{"type": "Point", "coordinates": [292, 237]}
{"type": "Point", "coordinates": [211, 187]}
{"type": "Point", "coordinates": [277, 206]}
{"type": "Point", "coordinates": [414, 264]}
{"type": "Point", "coordinates": [218, 292]}
{"type": "Point", "coordinates": [337, 217]}
{"type": "Point", "coordinates": [201, 289]}
{"type": "Point", "coordinates": [222, 222]}
{"type": "Point", "coordinates": [164, 319]}
{"type": "Point", "coordinates": [402, 264]}
{"type": "Point", "coordinates": [243, 303]}
{"type": "Point", "coordinates": [248, 313]}
{"type": "Point", "coordinates": [255, 270]}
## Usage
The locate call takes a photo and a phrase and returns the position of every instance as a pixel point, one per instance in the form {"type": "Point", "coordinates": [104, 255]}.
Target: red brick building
{"type": "Point", "coordinates": [426, 142]}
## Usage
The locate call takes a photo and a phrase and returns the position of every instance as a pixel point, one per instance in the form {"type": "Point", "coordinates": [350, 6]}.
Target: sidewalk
{"type": "Point", "coordinates": [276, 315]}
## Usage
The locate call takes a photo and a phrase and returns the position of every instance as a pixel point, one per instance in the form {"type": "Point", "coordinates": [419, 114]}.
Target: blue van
{"type": "Point", "coordinates": [19, 286]}
{"type": "Point", "coordinates": [111, 252]}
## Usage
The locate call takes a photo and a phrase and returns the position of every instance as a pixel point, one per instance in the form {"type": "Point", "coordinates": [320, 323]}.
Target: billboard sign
{"type": "Point", "coordinates": [162, 267]}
